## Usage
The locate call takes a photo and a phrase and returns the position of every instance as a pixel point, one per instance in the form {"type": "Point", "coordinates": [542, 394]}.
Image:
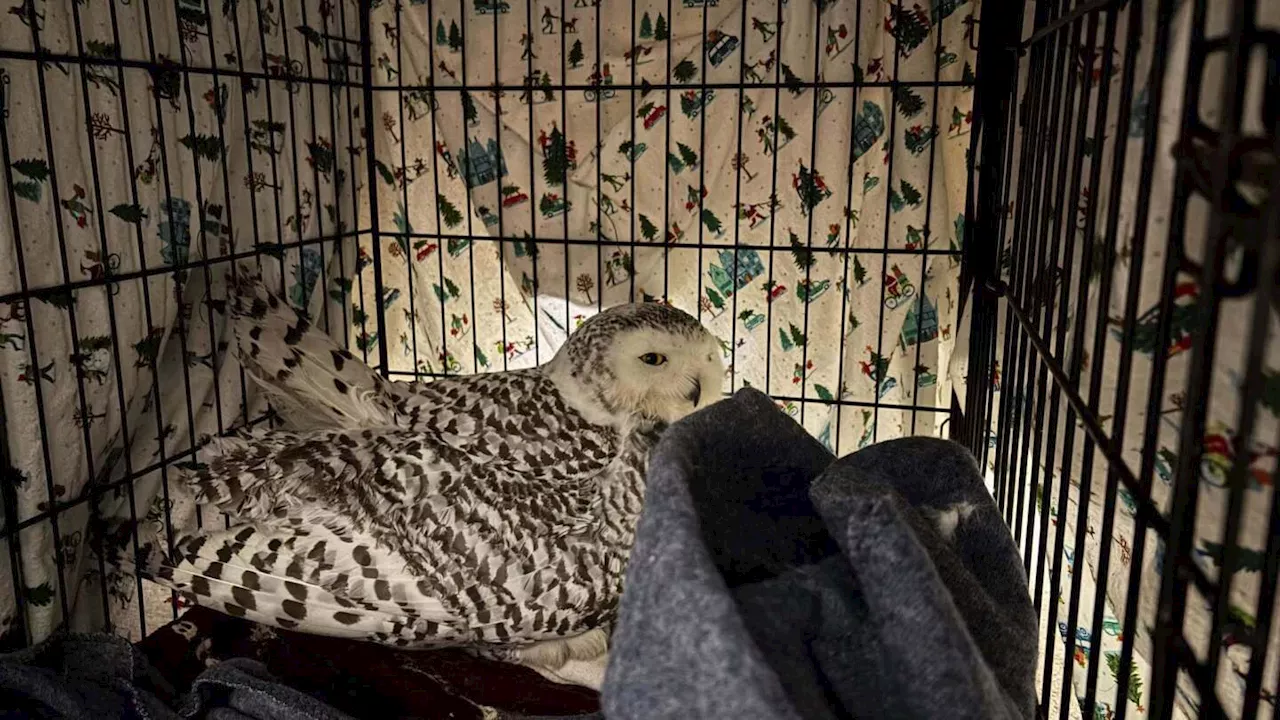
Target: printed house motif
{"type": "Point", "coordinates": [745, 265]}
{"type": "Point", "coordinates": [921, 323]}
{"type": "Point", "coordinates": [483, 163]}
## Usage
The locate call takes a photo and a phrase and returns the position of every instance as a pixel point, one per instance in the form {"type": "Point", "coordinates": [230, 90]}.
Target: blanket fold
{"type": "Point", "coordinates": [90, 677]}
{"type": "Point", "coordinates": [771, 581]}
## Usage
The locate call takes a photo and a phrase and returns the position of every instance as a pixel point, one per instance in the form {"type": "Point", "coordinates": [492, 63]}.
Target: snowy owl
{"type": "Point", "coordinates": [491, 512]}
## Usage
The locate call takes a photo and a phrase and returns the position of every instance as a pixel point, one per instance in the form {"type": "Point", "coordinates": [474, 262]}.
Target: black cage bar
{"type": "Point", "coordinates": [1174, 275]}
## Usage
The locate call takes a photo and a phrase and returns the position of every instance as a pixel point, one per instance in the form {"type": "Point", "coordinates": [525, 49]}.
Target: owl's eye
{"type": "Point", "coordinates": [653, 359]}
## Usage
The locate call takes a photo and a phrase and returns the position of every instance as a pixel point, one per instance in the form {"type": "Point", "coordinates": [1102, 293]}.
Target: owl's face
{"type": "Point", "coordinates": [665, 375]}
{"type": "Point", "coordinates": [639, 362]}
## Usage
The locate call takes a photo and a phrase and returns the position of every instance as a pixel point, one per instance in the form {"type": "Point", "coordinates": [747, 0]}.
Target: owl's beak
{"type": "Point", "coordinates": [695, 395]}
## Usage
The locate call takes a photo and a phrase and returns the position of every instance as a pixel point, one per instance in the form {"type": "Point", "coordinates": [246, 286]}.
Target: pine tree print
{"type": "Point", "coordinates": [575, 54]}
{"type": "Point", "coordinates": [1247, 559]}
{"type": "Point", "coordinates": [687, 155]}
{"type": "Point", "coordinates": [449, 213]}
{"type": "Point", "coordinates": [442, 38]}
{"type": "Point", "coordinates": [791, 337]}
{"type": "Point", "coordinates": [859, 272]}
{"type": "Point", "coordinates": [876, 367]}
{"type": "Point", "coordinates": [909, 102]}
{"type": "Point", "coordinates": [801, 255]}
{"type": "Point", "coordinates": [1185, 319]}
{"type": "Point", "coordinates": [1271, 391]}
{"type": "Point", "coordinates": [207, 147]}
{"type": "Point", "coordinates": [469, 109]}
{"type": "Point", "coordinates": [677, 165]}
{"type": "Point", "coordinates": [455, 37]}
{"type": "Point", "coordinates": [1135, 678]}
{"type": "Point", "coordinates": [555, 159]}
{"type": "Point", "coordinates": [714, 301]}
{"type": "Point", "coordinates": [36, 172]}
{"type": "Point", "coordinates": [811, 188]}
{"type": "Point", "coordinates": [647, 228]}
{"type": "Point", "coordinates": [910, 27]}
{"type": "Point", "coordinates": [660, 31]}
{"type": "Point", "coordinates": [450, 291]}
{"type": "Point", "coordinates": [792, 82]}
{"type": "Point", "coordinates": [685, 71]}
{"type": "Point", "coordinates": [646, 27]}
{"type": "Point", "coordinates": [712, 222]}
{"type": "Point", "coordinates": [910, 195]}
{"type": "Point", "coordinates": [130, 213]}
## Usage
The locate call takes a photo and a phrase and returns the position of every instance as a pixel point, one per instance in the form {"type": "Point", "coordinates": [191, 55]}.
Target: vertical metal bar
{"type": "Point", "coordinates": [1068, 181]}
{"type": "Point", "coordinates": [145, 281]}
{"type": "Point", "coordinates": [1151, 427]}
{"type": "Point", "coordinates": [161, 427]}
{"type": "Point", "coordinates": [668, 238]}
{"type": "Point", "coordinates": [370, 132]}
{"type": "Point", "coordinates": [1000, 24]}
{"type": "Point", "coordinates": [1078, 341]}
{"type": "Point", "coordinates": [703, 102]}
{"type": "Point", "coordinates": [773, 192]}
{"type": "Point", "coordinates": [104, 253]}
{"type": "Point", "coordinates": [533, 204]}
{"type": "Point", "coordinates": [1119, 156]}
{"type": "Point", "coordinates": [854, 94]}
{"type": "Point", "coordinates": [347, 282]}
{"type": "Point", "coordinates": [892, 141]}
{"type": "Point", "coordinates": [441, 238]}
{"type": "Point", "coordinates": [59, 556]}
{"type": "Point", "coordinates": [502, 245]}
{"type": "Point", "coordinates": [402, 237]}
{"type": "Point", "coordinates": [1182, 515]}
{"type": "Point", "coordinates": [465, 94]}
{"type": "Point", "coordinates": [928, 221]}
{"type": "Point", "coordinates": [817, 89]}
{"type": "Point", "coordinates": [564, 102]}
{"type": "Point", "coordinates": [271, 122]}
{"type": "Point", "coordinates": [564, 177]}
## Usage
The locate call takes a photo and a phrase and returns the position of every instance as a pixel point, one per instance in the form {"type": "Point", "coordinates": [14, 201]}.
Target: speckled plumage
{"type": "Point", "coordinates": [485, 511]}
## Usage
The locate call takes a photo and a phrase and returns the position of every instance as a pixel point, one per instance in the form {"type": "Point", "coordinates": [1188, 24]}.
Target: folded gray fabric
{"type": "Point", "coordinates": [81, 677]}
{"type": "Point", "coordinates": [770, 581]}
{"type": "Point", "coordinates": [91, 677]}
{"type": "Point", "coordinates": [242, 689]}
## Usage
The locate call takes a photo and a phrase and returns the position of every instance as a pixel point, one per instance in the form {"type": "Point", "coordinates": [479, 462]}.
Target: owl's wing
{"type": "Point", "coordinates": [307, 577]}
{"type": "Point", "coordinates": [310, 380]}
{"type": "Point", "coordinates": [393, 534]}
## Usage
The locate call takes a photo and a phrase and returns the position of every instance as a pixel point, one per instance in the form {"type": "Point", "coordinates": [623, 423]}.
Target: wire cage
{"type": "Point", "coordinates": [835, 188]}
{"type": "Point", "coordinates": [1123, 268]}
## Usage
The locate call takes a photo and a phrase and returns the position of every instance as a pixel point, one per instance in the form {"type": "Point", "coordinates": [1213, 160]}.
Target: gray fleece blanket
{"type": "Point", "coordinates": [770, 580]}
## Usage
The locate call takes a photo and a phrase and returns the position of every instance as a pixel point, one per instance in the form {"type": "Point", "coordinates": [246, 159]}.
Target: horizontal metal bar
{"type": "Point", "coordinates": [267, 250]}
{"type": "Point", "coordinates": [85, 60]}
{"type": "Point", "coordinates": [1065, 20]}
{"type": "Point", "coordinates": [678, 87]}
{"type": "Point", "coordinates": [775, 396]}
{"type": "Point", "coordinates": [93, 491]}
{"type": "Point", "coordinates": [671, 246]}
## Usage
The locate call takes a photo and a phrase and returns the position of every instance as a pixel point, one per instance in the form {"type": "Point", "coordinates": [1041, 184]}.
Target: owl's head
{"type": "Point", "coordinates": [639, 362]}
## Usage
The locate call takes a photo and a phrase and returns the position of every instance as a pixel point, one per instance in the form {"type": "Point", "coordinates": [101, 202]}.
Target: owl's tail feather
{"type": "Point", "coordinates": [304, 578]}
{"type": "Point", "coordinates": [311, 381]}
